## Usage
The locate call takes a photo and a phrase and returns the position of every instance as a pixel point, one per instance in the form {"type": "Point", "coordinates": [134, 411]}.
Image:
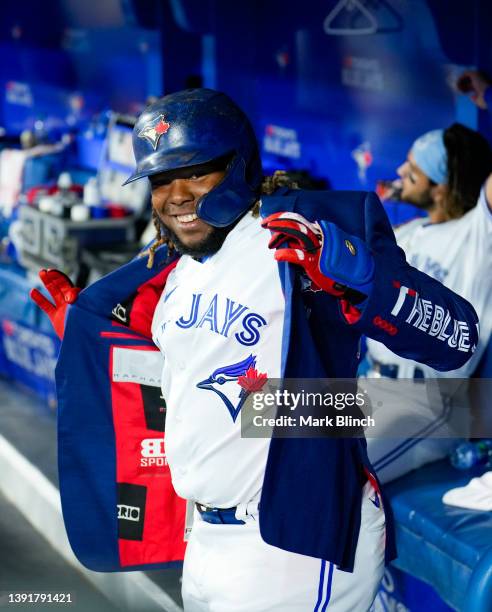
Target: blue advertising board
{"type": "Point", "coordinates": [28, 346]}
{"type": "Point", "coordinates": [57, 73]}
{"type": "Point", "coordinates": [28, 356]}
{"type": "Point", "coordinates": [343, 87]}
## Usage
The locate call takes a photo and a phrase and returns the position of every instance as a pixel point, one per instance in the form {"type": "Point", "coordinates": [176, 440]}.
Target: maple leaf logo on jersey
{"type": "Point", "coordinates": [233, 395]}
{"type": "Point", "coordinates": [252, 380]}
{"type": "Point", "coordinates": [154, 130]}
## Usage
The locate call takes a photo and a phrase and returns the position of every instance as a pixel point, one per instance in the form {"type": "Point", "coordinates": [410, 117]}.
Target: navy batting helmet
{"type": "Point", "coordinates": [193, 127]}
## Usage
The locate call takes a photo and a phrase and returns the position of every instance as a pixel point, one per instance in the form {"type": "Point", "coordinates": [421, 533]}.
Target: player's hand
{"type": "Point", "coordinates": [63, 292]}
{"type": "Point", "coordinates": [475, 83]}
{"type": "Point", "coordinates": [334, 261]}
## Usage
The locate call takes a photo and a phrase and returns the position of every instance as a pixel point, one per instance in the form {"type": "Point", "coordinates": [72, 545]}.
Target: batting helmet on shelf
{"type": "Point", "coordinates": [193, 127]}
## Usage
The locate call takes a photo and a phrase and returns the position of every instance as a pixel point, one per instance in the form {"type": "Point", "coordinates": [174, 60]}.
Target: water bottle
{"type": "Point", "coordinates": [470, 454]}
{"type": "Point", "coordinates": [389, 190]}
{"type": "Point", "coordinates": [65, 197]}
{"type": "Point", "coordinates": [92, 197]}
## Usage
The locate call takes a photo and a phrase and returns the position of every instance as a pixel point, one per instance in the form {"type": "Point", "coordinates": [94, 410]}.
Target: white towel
{"type": "Point", "coordinates": [476, 495]}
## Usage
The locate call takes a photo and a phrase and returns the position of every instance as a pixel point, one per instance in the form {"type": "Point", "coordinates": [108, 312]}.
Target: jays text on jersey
{"type": "Point", "coordinates": [215, 320]}
{"type": "Point", "coordinates": [119, 504]}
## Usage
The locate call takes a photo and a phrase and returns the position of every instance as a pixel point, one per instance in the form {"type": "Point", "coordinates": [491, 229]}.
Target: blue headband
{"type": "Point", "coordinates": [430, 156]}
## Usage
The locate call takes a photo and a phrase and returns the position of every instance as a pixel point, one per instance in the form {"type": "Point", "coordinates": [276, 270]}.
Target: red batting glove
{"type": "Point", "coordinates": [63, 292]}
{"type": "Point", "coordinates": [302, 240]}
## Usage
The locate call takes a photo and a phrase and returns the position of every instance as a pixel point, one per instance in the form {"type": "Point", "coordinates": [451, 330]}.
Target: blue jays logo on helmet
{"type": "Point", "coordinates": [154, 130]}
{"type": "Point", "coordinates": [219, 381]}
{"type": "Point", "coordinates": [201, 126]}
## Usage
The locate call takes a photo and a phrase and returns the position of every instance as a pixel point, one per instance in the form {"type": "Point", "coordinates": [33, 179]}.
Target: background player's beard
{"type": "Point", "coordinates": [424, 201]}
{"type": "Point", "coordinates": [208, 246]}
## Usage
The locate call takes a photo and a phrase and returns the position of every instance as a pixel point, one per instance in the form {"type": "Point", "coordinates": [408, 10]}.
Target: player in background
{"type": "Point", "coordinates": [283, 523]}
{"type": "Point", "coordinates": [446, 173]}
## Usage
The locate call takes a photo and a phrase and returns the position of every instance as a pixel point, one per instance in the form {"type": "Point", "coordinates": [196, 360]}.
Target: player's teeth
{"type": "Point", "coordinates": [187, 218]}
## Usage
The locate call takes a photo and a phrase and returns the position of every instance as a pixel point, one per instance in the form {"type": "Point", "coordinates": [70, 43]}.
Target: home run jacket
{"type": "Point", "coordinates": [119, 506]}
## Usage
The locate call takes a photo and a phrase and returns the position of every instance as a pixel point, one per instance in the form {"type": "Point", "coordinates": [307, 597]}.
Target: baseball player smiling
{"type": "Point", "coordinates": [283, 523]}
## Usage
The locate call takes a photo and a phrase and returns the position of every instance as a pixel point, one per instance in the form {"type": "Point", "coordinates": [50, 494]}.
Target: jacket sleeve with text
{"type": "Point", "coordinates": [414, 315]}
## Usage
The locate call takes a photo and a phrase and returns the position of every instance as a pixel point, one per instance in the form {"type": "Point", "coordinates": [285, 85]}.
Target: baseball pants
{"type": "Point", "coordinates": [229, 568]}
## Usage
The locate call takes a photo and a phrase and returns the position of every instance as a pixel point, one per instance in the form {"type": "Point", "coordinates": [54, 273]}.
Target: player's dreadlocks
{"type": "Point", "coordinates": [469, 164]}
{"type": "Point", "coordinates": [280, 178]}
{"type": "Point", "coordinates": [159, 240]}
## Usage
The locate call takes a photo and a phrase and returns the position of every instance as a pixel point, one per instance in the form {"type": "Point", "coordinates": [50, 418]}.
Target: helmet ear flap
{"type": "Point", "coordinates": [230, 199]}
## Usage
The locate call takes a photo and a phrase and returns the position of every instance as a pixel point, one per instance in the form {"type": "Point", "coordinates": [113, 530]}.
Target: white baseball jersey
{"type": "Point", "coordinates": [214, 320]}
{"type": "Point", "coordinates": [459, 254]}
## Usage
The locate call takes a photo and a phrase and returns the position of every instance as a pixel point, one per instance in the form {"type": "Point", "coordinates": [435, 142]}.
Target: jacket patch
{"type": "Point", "coordinates": [131, 511]}
{"type": "Point", "coordinates": [135, 366]}
{"type": "Point", "coordinates": [388, 327]}
{"type": "Point", "coordinates": [154, 407]}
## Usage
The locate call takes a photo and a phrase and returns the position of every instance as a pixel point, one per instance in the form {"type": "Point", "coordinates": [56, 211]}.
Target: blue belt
{"type": "Point", "coordinates": [391, 370]}
{"type": "Point", "coordinates": [218, 516]}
